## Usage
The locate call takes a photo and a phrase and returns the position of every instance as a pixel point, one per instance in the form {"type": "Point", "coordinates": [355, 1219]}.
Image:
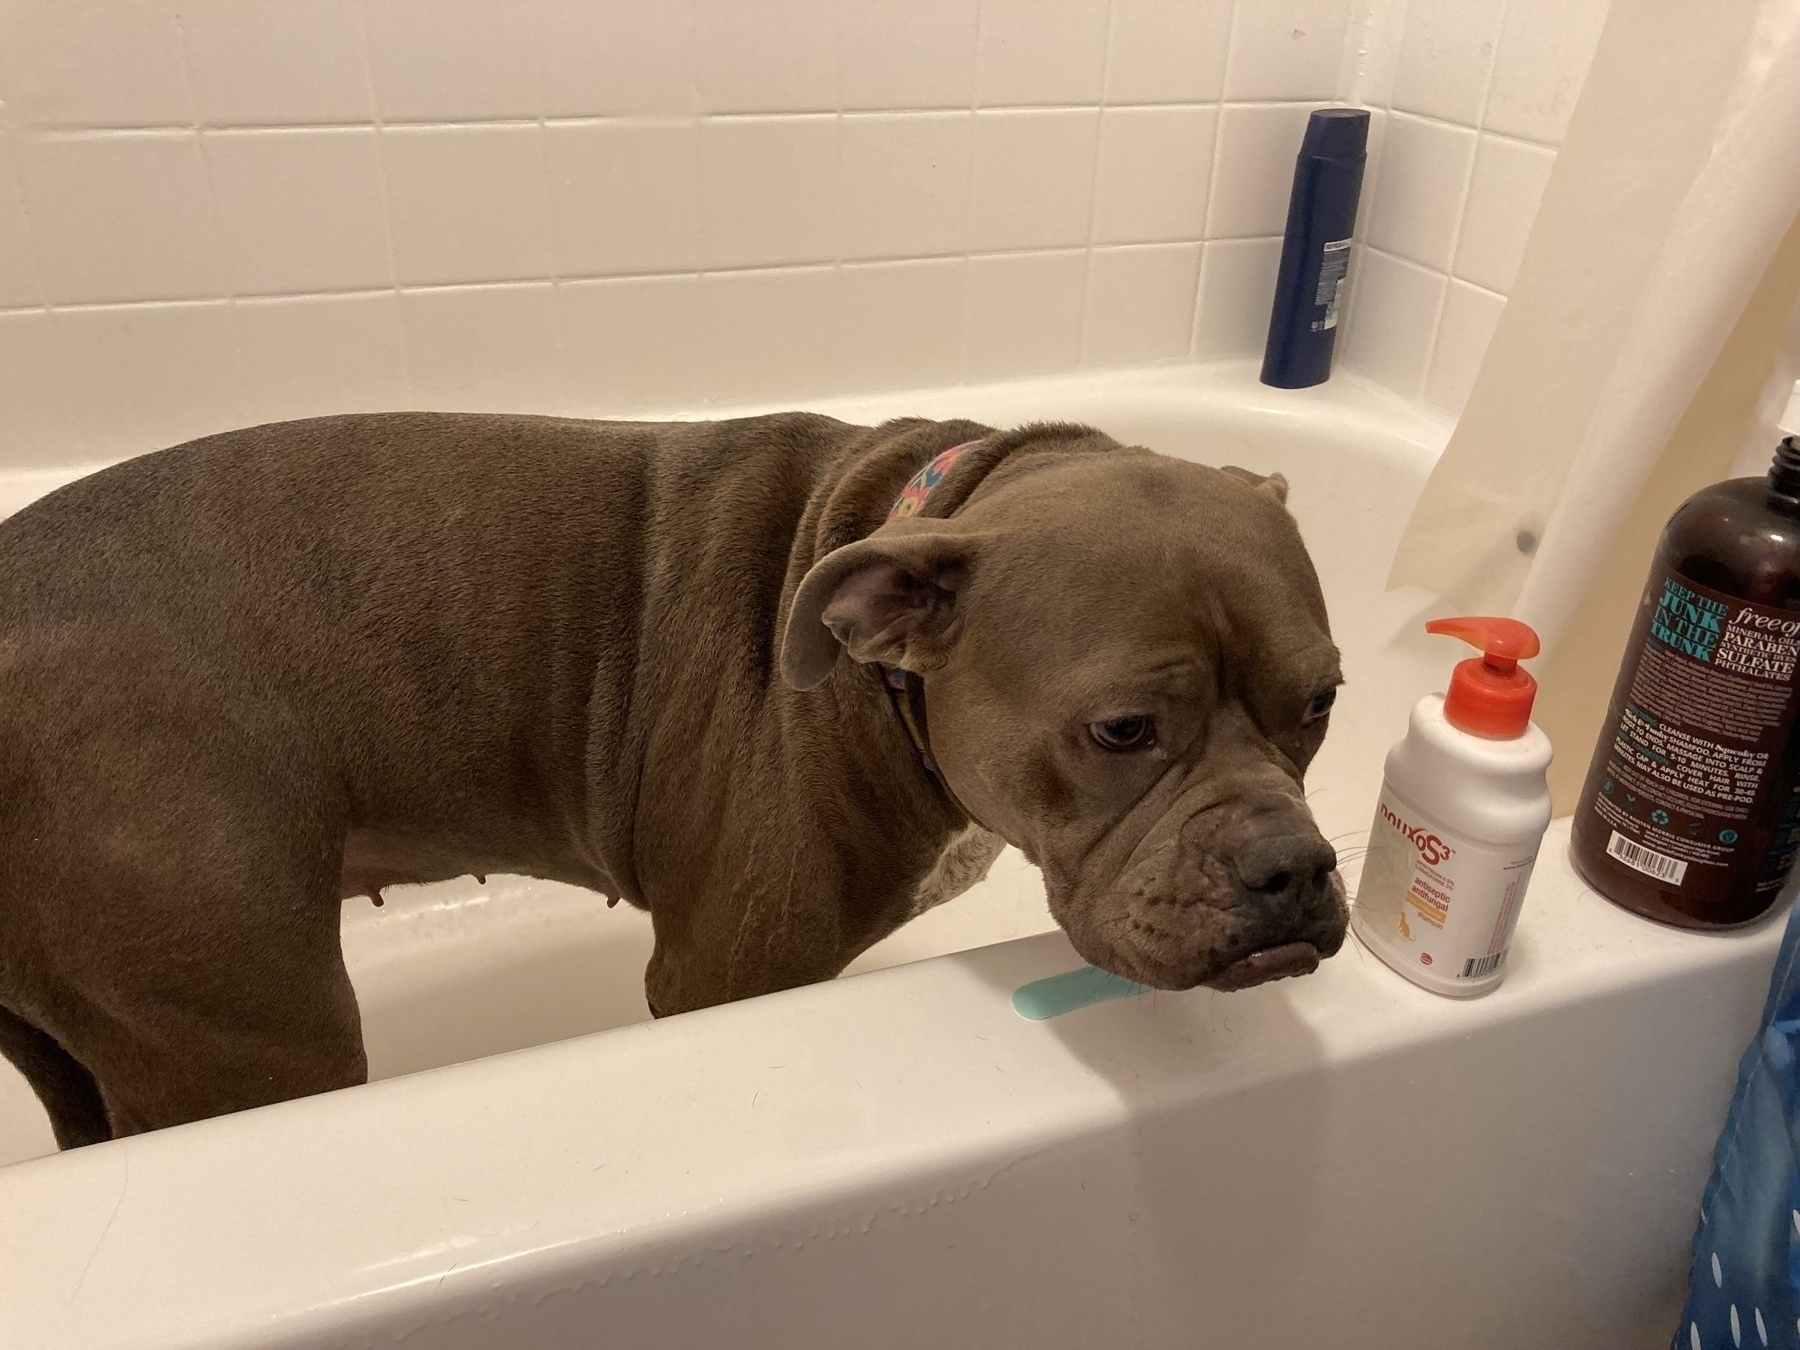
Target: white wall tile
{"type": "Point", "coordinates": [300, 210]}
{"type": "Point", "coordinates": [315, 355]}
{"type": "Point", "coordinates": [449, 60]}
{"type": "Point", "coordinates": [1254, 173]}
{"type": "Point", "coordinates": [633, 58]}
{"type": "Point", "coordinates": [1140, 304]}
{"type": "Point", "coordinates": [1470, 315]}
{"type": "Point", "coordinates": [149, 376]}
{"type": "Point", "coordinates": [905, 184]}
{"type": "Point", "coordinates": [121, 217]}
{"type": "Point", "coordinates": [770, 336]}
{"type": "Point", "coordinates": [625, 196]}
{"type": "Point", "coordinates": [483, 348]}
{"type": "Point", "coordinates": [1419, 192]}
{"type": "Point", "coordinates": [466, 204]}
{"type": "Point", "coordinates": [1237, 287]}
{"type": "Point", "coordinates": [1445, 56]}
{"type": "Point", "coordinates": [1286, 49]}
{"type": "Point", "coordinates": [1024, 314]}
{"type": "Point", "coordinates": [1365, 202]}
{"type": "Point", "coordinates": [1504, 196]}
{"type": "Point", "coordinates": [1545, 49]}
{"type": "Point", "coordinates": [1392, 322]}
{"type": "Point", "coordinates": [1155, 168]}
{"type": "Point", "coordinates": [18, 265]}
{"type": "Point", "coordinates": [766, 57]}
{"type": "Point", "coordinates": [632, 344]}
{"type": "Point", "coordinates": [1099, 208]}
{"type": "Point", "coordinates": [1034, 178]}
{"type": "Point", "coordinates": [1372, 52]}
{"type": "Point", "coordinates": [1041, 51]}
{"type": "Point", "coordinates": [1167, 51]}
{"type": "Point", "coordinates": [917, 55]}
{"type": "Point", "coordinates": [901, 324]}
{"type": "Point", "coordinates": [769, 191]}
{"type": "Point", "coordinates": [277, 64]}
{"type": "Point", "coordinates": [93, 63]}
{"type": "Point", "coordinates": [37, 393]}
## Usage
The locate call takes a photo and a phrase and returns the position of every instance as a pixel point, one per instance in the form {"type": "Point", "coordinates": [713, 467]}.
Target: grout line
{"type": "Point", "coordinates": [1212, 187]}
{"type": "Point", "coordinates": [839, 226]}
{"type": "Point", "coordinates": [388, 223]}
{"type": "Point", "coordinates": [216, 214]}
{"type": "Point", "coordinates": [1365, 213]}
{"type": "Point", "coordinates": [551, 215]}
{"type": "Point", "coordinates": [1087, 253]}
{"type": "Point", "coordinates": [79, 132]}
{"type": "Point", "coordinates": [39, 272]}
{"type": "Point", "coordinates": [560, 359]}
{"type": "Point", "coordinates": [592, 278]}
{"type": "Point", "coordinates": [574, 278]}
{"type": "Point", "coordinates": [1456, 232]}
{"type": "Point", "coordinates": [1433, 350]}
{"type": "Point", "coordinates": [1487, 76]}
{"type": "Point", "coordinates": [965, 342]}
{"type": "Point", "coordinates": [1405, 261]}
{"type": "Point", "coordinates": [1477, 127]}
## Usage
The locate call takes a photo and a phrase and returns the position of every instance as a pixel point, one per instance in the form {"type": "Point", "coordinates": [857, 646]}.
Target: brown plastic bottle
{"type": "Point", "coordinates": [1691, 810]}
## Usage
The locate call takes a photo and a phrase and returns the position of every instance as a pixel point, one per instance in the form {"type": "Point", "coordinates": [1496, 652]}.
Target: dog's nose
{"type": "Point", "coordinates": [1271, 867]}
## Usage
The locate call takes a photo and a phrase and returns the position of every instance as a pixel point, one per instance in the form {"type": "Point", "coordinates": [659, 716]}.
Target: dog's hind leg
{"type": "Point", "coordinates": [237, 1002]}
{"type": "Point", "coordinates": [240, 999]}
{"type": "Point", "coordinates": [68, 1091]}
{"type": "Point", "coordinates": [180, 941]}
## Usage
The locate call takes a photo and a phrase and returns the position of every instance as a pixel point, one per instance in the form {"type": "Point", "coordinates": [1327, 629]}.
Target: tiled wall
{"type": "Point", "coordinates": [215, 212]}
{"type": "Point", "coordinates": [220, 211]}
{"type": "Point", "coordinates": [1475, 96]}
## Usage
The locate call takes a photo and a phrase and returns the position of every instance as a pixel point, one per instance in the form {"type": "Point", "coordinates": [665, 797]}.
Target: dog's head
{"type": "Point", "coordinates": [1127, 669]}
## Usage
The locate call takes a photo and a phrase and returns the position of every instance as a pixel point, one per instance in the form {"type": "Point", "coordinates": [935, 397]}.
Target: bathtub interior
{"type": "Point", "coordinates": [465, 969]}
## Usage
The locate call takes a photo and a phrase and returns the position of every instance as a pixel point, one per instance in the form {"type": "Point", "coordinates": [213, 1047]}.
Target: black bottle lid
{"type": "Point", "coordinates": [1784, 473]}
{"type": "Point", "coordinates": [1336, 133]}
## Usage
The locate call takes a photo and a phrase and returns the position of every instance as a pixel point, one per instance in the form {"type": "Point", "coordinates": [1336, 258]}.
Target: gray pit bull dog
{"type": "Point", "coordinates": [246, 678]}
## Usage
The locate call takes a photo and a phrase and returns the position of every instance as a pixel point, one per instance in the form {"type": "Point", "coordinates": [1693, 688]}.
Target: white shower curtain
{"type": "Point", "coordinates": [1679, 176]}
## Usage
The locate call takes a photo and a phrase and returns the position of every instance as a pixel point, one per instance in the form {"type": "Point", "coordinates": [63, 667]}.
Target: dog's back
{"type": "Point", "coordinates": [389, 597]}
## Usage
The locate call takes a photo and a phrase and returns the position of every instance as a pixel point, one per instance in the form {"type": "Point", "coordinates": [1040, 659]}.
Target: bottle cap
{"type": "Point", "coordinates": [1336, 133]}
{"type": "Point", "coordinates": [1784, 472]}
{"type": "Point", "coordinates": [1491, 696]}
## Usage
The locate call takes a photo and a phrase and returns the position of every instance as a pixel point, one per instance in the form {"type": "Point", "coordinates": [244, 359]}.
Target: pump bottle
{"type": "Point", "coordinates": [1691, 812]}
{"type": "Point", "coordinates": [1463, 809]}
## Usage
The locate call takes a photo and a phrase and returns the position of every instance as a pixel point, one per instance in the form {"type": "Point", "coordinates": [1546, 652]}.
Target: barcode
{"type": "Point", "coordinates": [1482, 965]}
{"type": "Point", "coordinates": [1646, 860]}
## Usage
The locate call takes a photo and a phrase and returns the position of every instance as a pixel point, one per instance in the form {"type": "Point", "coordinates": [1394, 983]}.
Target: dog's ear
{"type": "Point", "coordinates": [1276, 485]}
{"type": "Point", "coordinates": [887, 598]}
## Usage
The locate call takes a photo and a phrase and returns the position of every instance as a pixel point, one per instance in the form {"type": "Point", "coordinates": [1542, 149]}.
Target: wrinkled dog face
{"type": "Point", "coordinates": [1128, 669]}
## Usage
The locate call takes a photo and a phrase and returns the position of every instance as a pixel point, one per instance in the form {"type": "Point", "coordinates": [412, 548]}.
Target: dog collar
{"type": "Point", "coordinates": [907, 688]}
{"type": "Point", "coordinates": [917, 491]}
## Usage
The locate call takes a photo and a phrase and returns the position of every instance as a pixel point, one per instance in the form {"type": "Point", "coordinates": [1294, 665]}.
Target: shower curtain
{"type": "Point", "coordinates": [1678, 178]}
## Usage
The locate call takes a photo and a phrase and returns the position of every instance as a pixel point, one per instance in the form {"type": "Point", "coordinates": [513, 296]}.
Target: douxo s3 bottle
{"type": "Point", "coordinates": [1463, 809]}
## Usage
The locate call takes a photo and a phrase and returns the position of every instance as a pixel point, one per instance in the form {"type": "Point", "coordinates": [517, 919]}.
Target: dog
{"type": "Point", "coordinates": [782, 681]}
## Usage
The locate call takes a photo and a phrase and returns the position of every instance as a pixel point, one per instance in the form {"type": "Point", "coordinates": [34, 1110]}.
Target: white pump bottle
{"type": "Point", "coordinates": [1463, 809]}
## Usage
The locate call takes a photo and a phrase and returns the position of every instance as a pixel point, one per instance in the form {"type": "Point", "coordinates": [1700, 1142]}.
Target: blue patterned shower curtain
{"type": "Point", "coordinates": [1744, 1288]}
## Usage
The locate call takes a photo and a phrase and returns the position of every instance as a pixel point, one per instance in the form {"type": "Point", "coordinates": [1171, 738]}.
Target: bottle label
{"type": "Point", "coordinates": [1440, 905]}
{"type": "Point", "coordinates": [1697, 739]}
{"type": "Point", "coordinates": [1332, 269]}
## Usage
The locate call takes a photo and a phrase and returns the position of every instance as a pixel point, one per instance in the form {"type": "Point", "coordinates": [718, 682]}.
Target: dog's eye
{"type": "Point", "coordinates": [1124, 733]}
{"type": "Point", "coordinates": [1320, 708]}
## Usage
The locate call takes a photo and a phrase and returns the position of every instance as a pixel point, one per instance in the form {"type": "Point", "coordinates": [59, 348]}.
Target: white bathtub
{"type": "Point", "coordinates": [898, 1158]}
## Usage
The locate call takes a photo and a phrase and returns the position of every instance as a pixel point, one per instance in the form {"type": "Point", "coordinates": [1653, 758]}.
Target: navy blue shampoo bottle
{"type": "Point", "coordinates": [1315, 255]}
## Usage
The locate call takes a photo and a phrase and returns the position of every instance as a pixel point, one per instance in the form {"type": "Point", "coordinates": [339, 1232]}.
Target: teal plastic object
{"type": "Point", "coordinates": [1052, 997]}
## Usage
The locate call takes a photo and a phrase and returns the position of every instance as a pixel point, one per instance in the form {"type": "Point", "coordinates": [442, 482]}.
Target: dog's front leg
{"type": "Point", "coordinates": [741, 937]}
